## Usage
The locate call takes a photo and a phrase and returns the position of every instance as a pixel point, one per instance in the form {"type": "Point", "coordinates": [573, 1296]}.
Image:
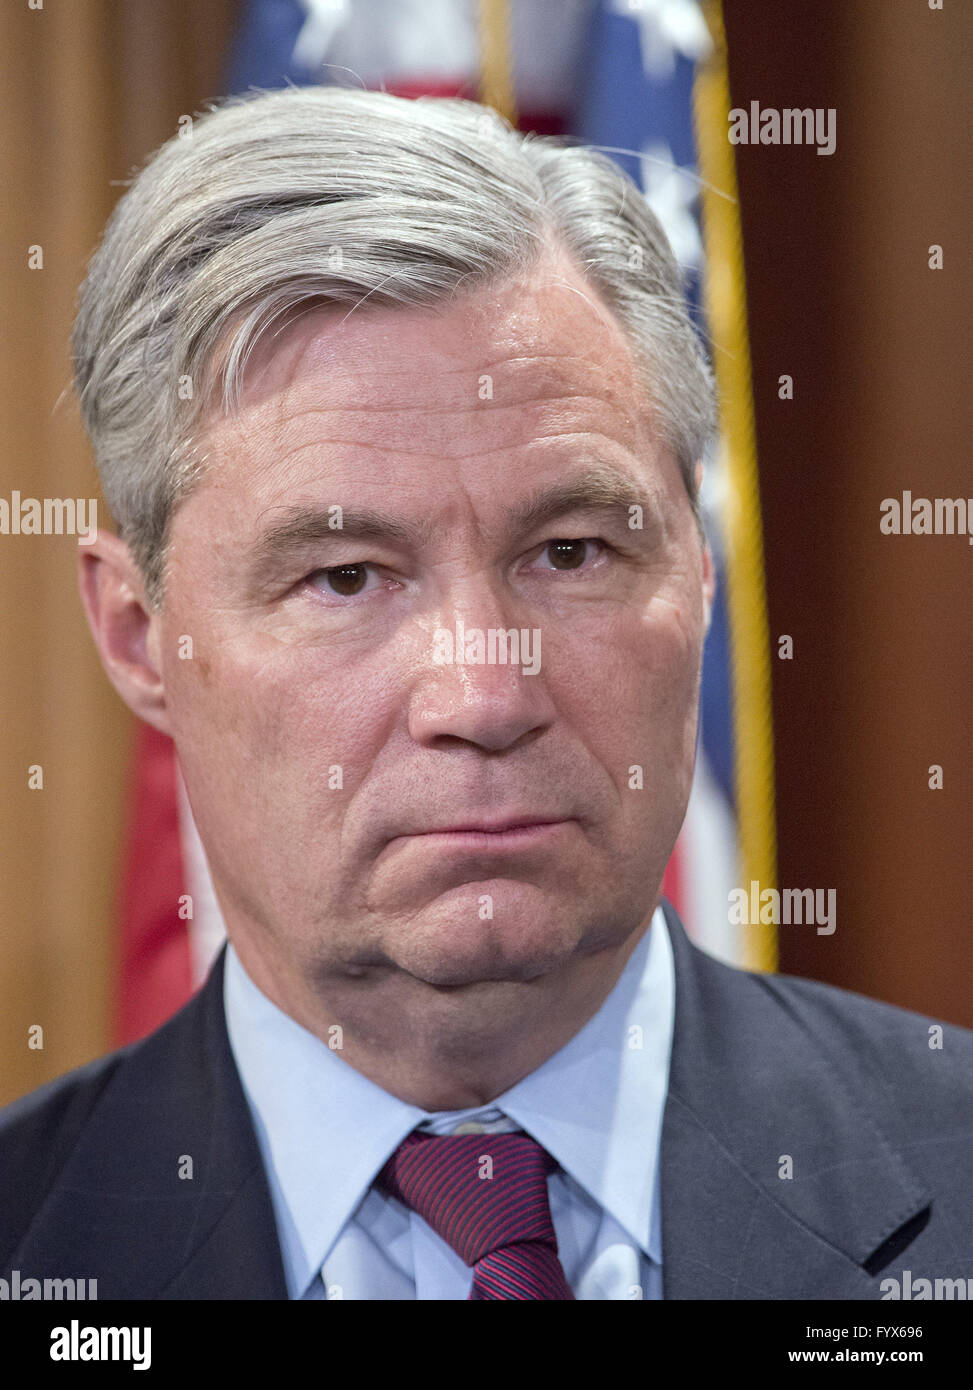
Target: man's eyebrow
{"type": "Point", "coordinates": [597, 489]}
{"type": "Point", "coordinates": [300, 528]}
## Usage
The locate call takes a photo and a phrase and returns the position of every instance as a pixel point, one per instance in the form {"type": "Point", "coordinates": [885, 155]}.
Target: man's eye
{"type": "Point", "coordinates": [569, 554]}
{"type": "Point", "coordinates": [349, 581]}
{"type": "Point", "coordinates": [344, 581]}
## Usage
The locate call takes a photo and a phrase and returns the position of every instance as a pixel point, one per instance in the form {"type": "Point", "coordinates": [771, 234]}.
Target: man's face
{"type": "Point", "coordinates": [335, 761]}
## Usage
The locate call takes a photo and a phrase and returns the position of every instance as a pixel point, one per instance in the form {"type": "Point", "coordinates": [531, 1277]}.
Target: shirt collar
{"type": "Point", "coordinates": [325, 1131]}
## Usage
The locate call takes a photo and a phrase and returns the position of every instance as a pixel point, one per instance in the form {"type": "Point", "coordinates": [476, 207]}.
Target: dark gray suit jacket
{"type": "Point", "coordinates": [878, 1126]}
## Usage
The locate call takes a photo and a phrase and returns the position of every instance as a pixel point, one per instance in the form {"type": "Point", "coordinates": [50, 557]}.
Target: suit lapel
{"type": "Point", "coordinates": [751, 1084]}
{"type": "Point", "coordinates": [164, 1195]}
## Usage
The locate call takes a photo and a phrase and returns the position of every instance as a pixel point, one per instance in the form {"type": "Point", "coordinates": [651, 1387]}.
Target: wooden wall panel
{"type": "Point", "coordinates": [90, 88]}
{"type": "Point", "coordinates": [841, 297]}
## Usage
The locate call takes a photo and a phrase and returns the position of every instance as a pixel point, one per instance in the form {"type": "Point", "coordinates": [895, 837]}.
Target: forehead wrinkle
{"type": "Point", "coordinates": [543, 393]}
{"type": "Point", "coordinates": [266, 447]}
{"type": "Point", "coordinates": [599, 475]}
{"type": "Point", "coordinates": [540, 375]}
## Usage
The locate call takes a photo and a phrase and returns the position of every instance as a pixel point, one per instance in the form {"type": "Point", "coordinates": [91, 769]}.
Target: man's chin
{"type": "Point", "coordinates": [453, 975]}
{"type": "Point", "coordinates": [475, 936]}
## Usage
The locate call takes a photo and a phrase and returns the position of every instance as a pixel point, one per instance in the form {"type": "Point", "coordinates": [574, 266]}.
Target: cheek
{"type": "Point", "coordinates": [673, 652]}
{"type": "Point", "coordinates": [633, 677]}
{"type": "Point", "coordinates": [668, 650]}
{"type": "Point", "coordinates": [271, 730]}
{"type": "Point", "coordinates": [222, 701]}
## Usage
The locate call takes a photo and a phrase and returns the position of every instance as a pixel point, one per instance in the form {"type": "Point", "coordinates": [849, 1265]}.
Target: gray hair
{"type": "Point", "coordinates": [275, 200]}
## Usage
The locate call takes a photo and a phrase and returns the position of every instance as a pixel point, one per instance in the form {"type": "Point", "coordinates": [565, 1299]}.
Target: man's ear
{"type": "Point", "coordinates": [123, 626]}
{"type": "Point", "coordinates": [709, 569]}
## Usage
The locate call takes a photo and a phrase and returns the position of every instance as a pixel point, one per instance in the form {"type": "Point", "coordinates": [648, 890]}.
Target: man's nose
{"type": "Point", "coordinates": [481, 677]}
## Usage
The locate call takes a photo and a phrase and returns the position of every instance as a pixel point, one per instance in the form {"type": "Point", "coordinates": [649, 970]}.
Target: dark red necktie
{"type": "Point", "coordinates": [486, 1196]}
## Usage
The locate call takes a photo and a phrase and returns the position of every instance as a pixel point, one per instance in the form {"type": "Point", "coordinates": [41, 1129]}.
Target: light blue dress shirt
{"type": "Point", "coordinates": [325, 1131]}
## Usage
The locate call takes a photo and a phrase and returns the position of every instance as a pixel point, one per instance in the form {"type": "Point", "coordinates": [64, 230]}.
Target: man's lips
{"type": "Point", "coordinates": [495, 827]}
{"type": "Point", "coordinates": [484, 834]}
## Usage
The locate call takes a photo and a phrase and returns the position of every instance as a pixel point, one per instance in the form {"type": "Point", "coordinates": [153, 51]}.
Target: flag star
{"type": "Point", "coordinates": [666, 27]}
{"type": "Point", "coordinates": [671, 192]}
{"type": "Point", "coordinates": [324, 19]}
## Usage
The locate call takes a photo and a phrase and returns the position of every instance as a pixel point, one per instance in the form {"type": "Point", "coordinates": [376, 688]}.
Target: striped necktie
{"type": "Point", "coordinates": [486, 1196]}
